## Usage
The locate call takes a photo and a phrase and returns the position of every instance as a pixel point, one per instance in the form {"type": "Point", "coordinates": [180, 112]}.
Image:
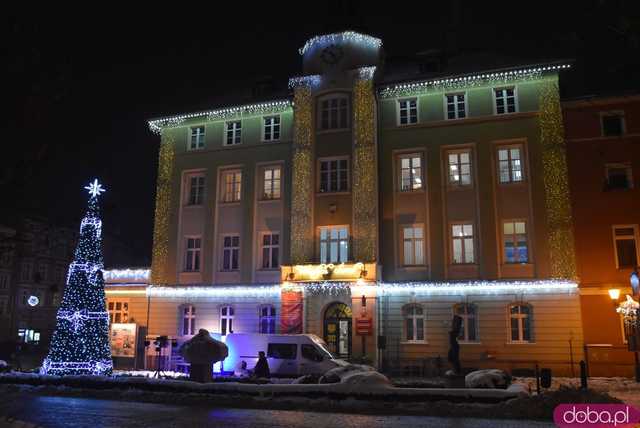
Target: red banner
{"type": "Point", "coordinates": [364, 326]}
{"type": "Point", "coordinates": [291, 316]}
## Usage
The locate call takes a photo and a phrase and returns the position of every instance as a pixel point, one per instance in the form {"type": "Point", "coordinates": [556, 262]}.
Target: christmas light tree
{"type": "Point", "coordinates": [80, 342]}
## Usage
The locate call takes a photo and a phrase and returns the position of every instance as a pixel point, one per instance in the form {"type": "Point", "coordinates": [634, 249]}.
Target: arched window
{"type": "Point", "coordinates": [267, 319]}
{"type": "Point", "coordinates": [521, 322]}
{"type": "Point", "coordinates": [226, 320]}
{"type": "Point", "coordinates": [188, 320]}
{"type": "Point", "coordinates": [469, 313]}
{"type": "Point", "coordinates": [413, 323]}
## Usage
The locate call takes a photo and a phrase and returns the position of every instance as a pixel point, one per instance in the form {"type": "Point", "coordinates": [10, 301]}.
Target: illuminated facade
{"type": "Point", "coordinates": [369, 208]}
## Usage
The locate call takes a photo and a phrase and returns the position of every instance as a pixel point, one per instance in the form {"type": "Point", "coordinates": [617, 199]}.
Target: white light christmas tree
{"type": "Point", "coordinates": [80, 342]}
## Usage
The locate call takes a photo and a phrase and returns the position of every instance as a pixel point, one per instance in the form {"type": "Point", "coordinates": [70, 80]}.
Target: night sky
{"type": "Point", "coordinates": [82, 83]}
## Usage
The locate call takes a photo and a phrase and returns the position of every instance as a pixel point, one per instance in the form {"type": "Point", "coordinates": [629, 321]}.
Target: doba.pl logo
{"type": "Point", "coordinates": [595, 415]}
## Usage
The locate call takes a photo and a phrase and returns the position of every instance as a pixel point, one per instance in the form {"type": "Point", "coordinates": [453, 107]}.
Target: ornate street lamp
{"type": "Point", "coordinates": [630, 311]}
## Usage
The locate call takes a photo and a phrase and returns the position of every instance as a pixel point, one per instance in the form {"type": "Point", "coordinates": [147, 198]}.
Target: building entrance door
{"type": "Point", "coordinates": [337, 329]}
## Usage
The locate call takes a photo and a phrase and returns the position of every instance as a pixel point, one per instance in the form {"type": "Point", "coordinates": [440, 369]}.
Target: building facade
{"type": "Point", "coordinates": [368, 208]}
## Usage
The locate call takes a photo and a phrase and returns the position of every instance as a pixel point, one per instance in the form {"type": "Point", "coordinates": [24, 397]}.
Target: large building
{"type": "Point", "coordinates": [368, 207]}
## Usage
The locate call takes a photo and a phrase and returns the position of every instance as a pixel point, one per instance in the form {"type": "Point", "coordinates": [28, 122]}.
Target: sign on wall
{"type": "Point", "coordinates": [123, 340]}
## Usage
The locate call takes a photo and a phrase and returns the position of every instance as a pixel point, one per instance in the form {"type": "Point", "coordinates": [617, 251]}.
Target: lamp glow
{"type": "Point", "coordinates": [614, 293]}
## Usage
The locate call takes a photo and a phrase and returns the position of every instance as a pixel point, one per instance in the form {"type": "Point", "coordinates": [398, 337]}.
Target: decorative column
{"type": "Point", "coordinates": [160, 253]}
{"type": "Point", "coordinates": [364, 194]}
{"type": "Point", "coordinates": [556, 183]}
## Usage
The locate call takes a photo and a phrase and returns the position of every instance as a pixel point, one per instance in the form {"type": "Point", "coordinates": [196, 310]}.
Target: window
{"type": "Point", "coordinates": [414, 323]}
{"type": "Point", "coordinates": [234, 133]}
{"type": "Point", "coordinates": [410, 172]}
{"type": "Point", "coordinates": [334, 175]}
{"type": "Point", "coordinates": [510, 164]}
{"type": "Point", "coordinates": [468, 313]}
{"type": "Point", "coordinates": [521, 319]}
{"type": "Point", "coordinates": [118, 311]}
{"type": "Point", "coordinates": [271, 128]}
{"type": "Point", "coordinates": [456, 106]}
{"type": "Point", "coordinates": [43, 271]}
{"type": "Point", "coordinates": [514, 238]}
{"type": "Point", "coordinates": [310, 352]}
{"type": "Point", "coordinates": [196, 189]}
{"type": "Point", "coordinates": [25, 297]}
{"type": "Point", "coordinates": [460, 168]}
{"type": "Point", "coordinates": [413, 244]}
{"type": "Point", "coordinates": [462, 243]}
{"type": "Point", "coordinates": [226, 320]}
{"type": "Point", "coordinates": [334, 113]}
{"type": "Point", "coordinates": [282, 351]}
{"type": "Point", "coordinates": [270, 251]}
{"type": "Point", "coordinates": [334, 244]}
{"type": "Point", "coordinates": [55, 298]}
{"type": "Point", "coordinates": [26, 271]}
{"type": "Point", "coordinates": [408, 111]}
{"type": "Point", "coordinates": [6, 256]}
{"type": "Point", "coordinates": [619, 176]}
{"type": "Point", "coordinates": [267, 319]}
{"type": "Point", "coordinates": [59, 274]}
{"type": "Point", "coordinates": [231, 252]}
{"type": "Point", "coordinates": [232, 186]}
{"type": "Point", "coordinates": [197, 138]}
{"type": "Point", "coordinates": [4, 306]}
{"type": "Point", "coordinates": [4, 281]}
{"type": "Point", "coordinates": [188, 320]}
{"type": "Point", "coordinates": [626, 246]}
{"type": "Point", "coordinates": [612, 124]}
{"type": "Point", "coordinates": [271, 184]}
{"type": "Point", "coordinates": [29, 336]}
{"type": "Point", "coordinates": [505, 100]}
{"type": "Point", "coordinates": [192, 255]}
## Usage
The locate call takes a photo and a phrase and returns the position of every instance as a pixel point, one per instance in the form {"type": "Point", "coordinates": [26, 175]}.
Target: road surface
{"type": "Point", "coordinates": [57, 412]}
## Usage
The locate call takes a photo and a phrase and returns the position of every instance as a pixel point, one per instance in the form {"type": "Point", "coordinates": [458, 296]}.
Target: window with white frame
{"type": "Point", "coordinates": [410, 172]}
{"type": "Point", "coordinates": [408, 111]}
{"type": "Point", "coordinates": [267, 319]}
{"type": "Point", "coordinates": [334, 175]}
{"type": "Point", "coordinates": [271, 130]}
{"type": "Point", "coordinates": [612, 123]}
{"type": "Point", "coordinates": [231, 252]}
{"type": "Point", "coordinates": [514, 239]}
{"type": "Point", "coordinates": [459, 167]}
{"type": "Point", "coordinates": [469, 327]}
{"type": "Point", "coordinates": [334, 112]}
{"type": "Point", "coordinates": [270, 251]}
{"type": "Point", "coordinates": [510, 165]}
{"type": "Point", "coordinates": [456, 106]}
{"type": "Point", "coordinates": [197, 138]}
{"type": "Point", "coordinates": [4, 280]}
{"type": "Point", "coordinates": [626, 246]}
{"type": "Point", "coordinates": [196, 189]}
{"type": "Point", "coordinates": [26, 271]}
{"type": "Point", "coordinates": [231, 186]}
{"type": "Point", "coordinates": [413, 245]}
{"type": "Point", "coordinates": [192, 254]}
{"type": "Point", "coordinates": [226, 320]}
{"type": "Point", "coordinates": [521, 322]}
{"type": "Point", "coordinates": [118, 311]}
{"type": "Point", "coordinates": [462, 243]}
{"type": "Point", "coordinates": [505, 99]}
{"type": "Point", "coordinates": [271, 183]}
{"type": "Point", "coordinates": [334, 244]}
{"type": "Point", "coordinates": [233, 132]}
{"type": "Point", "coordinates": [188, 320]}
{"type": "Point", "coordinates": [619, 176]}
{"type": "Point", "coordinates": [413, 315]}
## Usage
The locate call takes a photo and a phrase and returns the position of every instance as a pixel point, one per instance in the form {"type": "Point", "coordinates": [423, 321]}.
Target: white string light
{"type": "Point", "coordinates": [214, 291]}
{"type": "Point", "coordinates": [126, 274]}
{"type": "Point", "coordinates": [312, 80]}
{"type": "Point", "coordinates": [346, 36]}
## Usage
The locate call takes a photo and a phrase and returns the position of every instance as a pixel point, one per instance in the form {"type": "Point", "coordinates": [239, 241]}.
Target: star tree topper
{"type": "Point", "coordinates": [95, 188]}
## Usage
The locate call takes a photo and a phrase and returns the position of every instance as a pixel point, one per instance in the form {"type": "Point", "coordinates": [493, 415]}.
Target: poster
{"type": "Point", "coordinates": [123, 340]}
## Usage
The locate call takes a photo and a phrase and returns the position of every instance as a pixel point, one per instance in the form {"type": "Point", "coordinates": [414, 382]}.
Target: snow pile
{"type": "Point", "coordinates": [149, 373]}
{"type": "Point", "coordinates": [488, 378]}
{"type": "Point", "coordinates": [336, 375]}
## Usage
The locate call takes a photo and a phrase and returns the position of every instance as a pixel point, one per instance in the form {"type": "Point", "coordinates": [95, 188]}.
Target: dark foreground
{"type": "Point", "coordinates": [84, 412]}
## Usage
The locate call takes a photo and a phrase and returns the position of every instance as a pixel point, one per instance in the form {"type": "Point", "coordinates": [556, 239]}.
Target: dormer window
{"type": "Point", "coordinates": [334, 112]}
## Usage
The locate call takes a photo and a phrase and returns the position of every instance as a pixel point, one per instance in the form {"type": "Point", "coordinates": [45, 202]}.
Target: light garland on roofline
{"type": "Point", "coordinates": [312, 81]}
{"type": "Point", "coordinates": [481, 287]}
{"type": "Point", "coordinates": [345, 36]}
{"type": "Point", "coordinates": [126, 274]}
{"type": "Point", "coordinates": [156, 125]}
{"type": "Point", "coordinates": [259, 291]}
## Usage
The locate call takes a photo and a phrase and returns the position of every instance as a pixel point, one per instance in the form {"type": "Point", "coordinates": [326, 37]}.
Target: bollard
{"type": "Point", "coordinates": [583, 374]}
{"type": "Point", "coordinates": [537, 379]}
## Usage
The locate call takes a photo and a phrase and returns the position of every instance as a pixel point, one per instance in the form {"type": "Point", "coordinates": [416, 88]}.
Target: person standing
{"type": "Point", "coordinates": [262, 366]}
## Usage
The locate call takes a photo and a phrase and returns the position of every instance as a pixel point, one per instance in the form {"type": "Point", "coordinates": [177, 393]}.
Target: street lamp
{"type": "Point", "coordinates": [614, 293]}
{"type": "Point", "coordinates": [634, 330]}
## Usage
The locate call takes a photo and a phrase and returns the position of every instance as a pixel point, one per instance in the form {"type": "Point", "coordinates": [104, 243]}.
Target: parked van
{"type": "Point", "coordinates": [289, 355]}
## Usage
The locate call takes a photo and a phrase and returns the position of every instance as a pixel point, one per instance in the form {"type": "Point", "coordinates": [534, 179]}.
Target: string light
{"type": "Point", "coordinates": [261, 291]}
{"type": "Point", "coordinates": [312, 80]}
{"type": "Point", "coordinates": [481, 287]}
{"type": "Point", "coordinates": [337, 38]}
{"type": "Point", "coordinates": [126, 274]}
{"type": "Point", "coordinates": [160, 252]}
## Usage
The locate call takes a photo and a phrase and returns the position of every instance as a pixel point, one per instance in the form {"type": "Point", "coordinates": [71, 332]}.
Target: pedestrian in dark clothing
{"type": "Point", "coordinates": [262, 366]}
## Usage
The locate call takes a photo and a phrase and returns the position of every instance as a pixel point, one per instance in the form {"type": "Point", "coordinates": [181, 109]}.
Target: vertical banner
{"type": "Point", "coordinates": [291, 312]}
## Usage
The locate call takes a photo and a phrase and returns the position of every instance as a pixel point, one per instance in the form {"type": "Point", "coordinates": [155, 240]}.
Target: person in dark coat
{"type": "Point", "coordinates": [262, 366]}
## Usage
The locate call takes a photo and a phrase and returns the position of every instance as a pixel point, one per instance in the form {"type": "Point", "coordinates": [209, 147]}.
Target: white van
{"type": "Point", "coordinates": [289, 355]}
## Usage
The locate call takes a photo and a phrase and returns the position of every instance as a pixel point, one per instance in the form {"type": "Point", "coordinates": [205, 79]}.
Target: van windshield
{"type": "Point", "coordinates": [322, 347]}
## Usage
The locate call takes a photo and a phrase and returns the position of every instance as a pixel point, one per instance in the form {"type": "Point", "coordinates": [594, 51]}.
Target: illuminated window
{"type": "Point", "coordinates": [270, 251]}
{"type": "Point", "coordinates": [271, 128]}
{"type": "Point", "coordinates": [231, 186]}
{"type": "Point", "coordinates": [626, 246]}
{"type": "Point", "coordinates": [226, 320]}
{"type": "Point", "coordinates": [456, 106]}
{"type": "Point", "coordinates": [267, 319]}
{"type": "Point", "coordinates": [462, 243]}
{"type": "Point", "coordinates": [334, 175]}
{"type": "Point", "coordinates": [197, 138]}
{"type": "Point", "coordinates": [188, 320]}
{"type": "Point", "coordinates": [413, 245]}
{"type": "Point", "coordinates": [514, 236]}
{"type": "Point", "coordinates": [407, 111]}
{"type": "Point", "coordinates": [459, 168]}
{"type": "Point", "coordinates": [118, 311]}
{"type": "Point", "coordinates": [510, 165]}
{"type": "Point", "coordinates": [196, 189]}
{"type": "Point", "coordinates": [468, 312]}
{"type": "Point", "coordinates": [413, 323]}
{"type": "Point", "coordinates": [271, 185]}
{"type": "Point", "coordinates": [334, 112]}
{"type": "Point", "coordinates": [334, 244]}
{"type": "Point", "coordinates": [233, 133]}
{"type": "Point", "coordinates": [521, 322]}
{"type": "Point", "coordinates": [410, 172]}
{"type": "Point", "coordinates": [505, 99]}
{"type": "Point", "coordinates": [192, 254]}
{"type": "Point", "coordinates": [230, 252]}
